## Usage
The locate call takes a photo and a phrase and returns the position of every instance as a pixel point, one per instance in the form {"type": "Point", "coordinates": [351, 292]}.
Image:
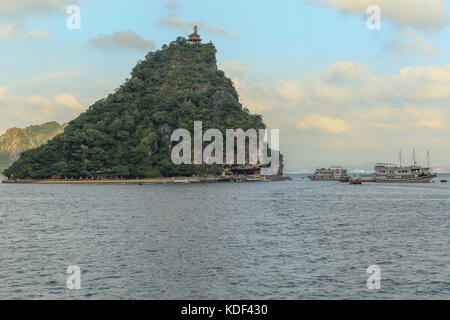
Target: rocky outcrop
{"type": "Point", "coordinates": [16, 140]}
{"type": "Point", "coordinates": [128, 133]}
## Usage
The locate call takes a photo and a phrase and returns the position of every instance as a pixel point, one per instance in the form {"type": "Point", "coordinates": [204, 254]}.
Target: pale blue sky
{"type": "Point", "coordinates": [279, 45]}
{"type": "Point", "coordinates": [276, 40]}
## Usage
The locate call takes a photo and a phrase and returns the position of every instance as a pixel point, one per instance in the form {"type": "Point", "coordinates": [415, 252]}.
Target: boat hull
{"type": "Point", "coordinates": [323, 179]}
{"type": "Point", "coordinates": [409, 180]}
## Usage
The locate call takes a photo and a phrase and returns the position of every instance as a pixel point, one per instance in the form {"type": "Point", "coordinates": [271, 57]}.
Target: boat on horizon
{"type": "Point", "coordinates": [391, 173]}
{"type": "Point", "coordinates": [383, 173]}
{"type": "Point", "coordinates": [354, 181]}
{"type": "Point", "coordinates": [330, 174]}
{"type": "Point", "coordinates": [185, 180]}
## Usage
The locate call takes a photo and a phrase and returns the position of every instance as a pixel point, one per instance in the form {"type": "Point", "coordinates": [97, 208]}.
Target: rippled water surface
{"type": "Point", "coordinates": [282, 240]}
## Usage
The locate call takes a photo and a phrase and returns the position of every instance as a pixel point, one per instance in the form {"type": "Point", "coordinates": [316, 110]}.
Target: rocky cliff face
{"type": "Point", "coordinates": [16, 140]}
{"type": "Point", "coordinates": [128, 133]}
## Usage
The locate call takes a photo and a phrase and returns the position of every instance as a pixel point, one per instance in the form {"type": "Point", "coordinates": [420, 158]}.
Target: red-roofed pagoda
{"type": "Point", "coordinates": [195, 37]}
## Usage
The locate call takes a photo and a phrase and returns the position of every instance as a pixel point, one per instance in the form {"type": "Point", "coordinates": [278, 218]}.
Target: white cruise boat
{"type": "Point", "coordinates": [387, 172]}
{"type": "Point", "coordinates": [331, 174]}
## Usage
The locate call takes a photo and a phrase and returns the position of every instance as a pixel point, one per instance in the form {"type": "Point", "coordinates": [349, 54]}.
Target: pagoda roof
{"type": "Point", "coordinates": [194, 35]}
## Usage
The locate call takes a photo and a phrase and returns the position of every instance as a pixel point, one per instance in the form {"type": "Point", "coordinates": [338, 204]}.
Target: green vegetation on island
{"type": "Point", "coordinates": [16, 140]}
{"type": "Point", "coordinates": [127, 134]}
{"type": "Point", "coordinates": [5, 160]}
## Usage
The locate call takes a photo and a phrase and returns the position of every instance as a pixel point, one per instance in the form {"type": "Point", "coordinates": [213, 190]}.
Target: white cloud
{"type": "Point", "coordinates": [291, 91]}
{"type": "Point", "coordinates": [343, 71]}
{"type": "Point", "coordinates": [57, 75]}
{"type": "Point", "coordinates": [420, 83]}
{"type": "Point", "coordinates": [69, 101]}
{"type": "Point", "coordinates": [425, 117]}
{"type": "Point", "coordinates": [122, 40]}
{"type": "Point", "coordinates": [8, 31]}
{"type": "Point", "coordinates": [411, 43]}
{"type": "Point", "coordinates": [349, 114]}
{"type": "Point", "coordinates": [420, 14]}
{"type": "Point", "coordinates": [3, 90]}
{"type": "Point", "coordinates": [323, 124]}
{"type": "Point", "coordinates": [102, 81]}
{"type": "Point", "coordinates": [186, 27]}
{"type": "Point", "coordinates": [347, 83]}
{"type": "Point", "coordinates": [172, 5]}
{"type": "Point", "coordinates": [26, 110]}
{"type": "Point", "coordinates": [235, 69]}
{"type": "Point", "coordinates": [21, 8]}
{"type": "Point", "coordinates": [389, 125]}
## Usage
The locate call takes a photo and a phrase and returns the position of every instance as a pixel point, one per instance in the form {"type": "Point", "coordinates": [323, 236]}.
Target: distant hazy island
{"type": "Point", "coordinates": [16, 140]}
{"type": "Point", "coordinates": [128, 133]}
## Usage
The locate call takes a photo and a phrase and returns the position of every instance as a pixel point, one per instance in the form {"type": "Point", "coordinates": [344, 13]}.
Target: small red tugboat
{"type": "Point", "coordinates": [357, 181]}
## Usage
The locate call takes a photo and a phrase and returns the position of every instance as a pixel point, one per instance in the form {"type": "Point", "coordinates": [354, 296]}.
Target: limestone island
{"type": "Point", "coordinates": [126, 137]}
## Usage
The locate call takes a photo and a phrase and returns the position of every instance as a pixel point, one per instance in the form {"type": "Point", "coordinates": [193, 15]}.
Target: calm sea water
{"type": "Point", "coordinates": [282, 240]}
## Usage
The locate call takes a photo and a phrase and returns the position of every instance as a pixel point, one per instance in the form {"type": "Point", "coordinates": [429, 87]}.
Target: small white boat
{"type": "Point", "coordinates": [181, 180]}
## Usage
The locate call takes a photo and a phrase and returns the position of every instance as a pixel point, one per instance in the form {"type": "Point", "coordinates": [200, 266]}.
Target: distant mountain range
{"type": "Point", "coordinates": [16, 140]}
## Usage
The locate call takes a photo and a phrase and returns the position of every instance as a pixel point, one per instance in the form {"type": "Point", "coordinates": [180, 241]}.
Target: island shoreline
{"type": "Point", "coordinates": [140, 181]}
